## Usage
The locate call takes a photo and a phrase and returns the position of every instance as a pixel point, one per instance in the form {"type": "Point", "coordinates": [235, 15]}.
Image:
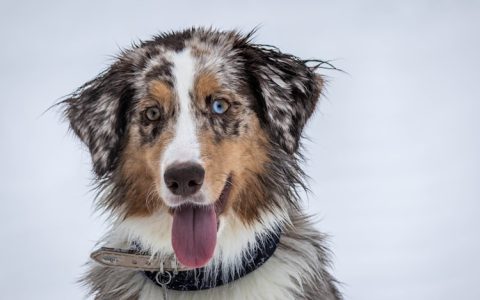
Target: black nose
{"type": "Point", "coordinates": [184, 179]}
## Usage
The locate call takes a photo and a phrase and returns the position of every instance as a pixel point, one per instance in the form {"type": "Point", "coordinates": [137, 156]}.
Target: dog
{"type": "Point", "coordinates": [194, 138]}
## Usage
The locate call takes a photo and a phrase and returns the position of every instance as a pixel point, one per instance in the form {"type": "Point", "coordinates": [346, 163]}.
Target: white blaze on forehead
{"type": "Point", "coordinates": [185, 146]}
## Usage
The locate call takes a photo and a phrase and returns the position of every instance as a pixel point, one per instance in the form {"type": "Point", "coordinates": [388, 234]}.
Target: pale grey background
{"type": "Point", "coordinates": [393, 156]}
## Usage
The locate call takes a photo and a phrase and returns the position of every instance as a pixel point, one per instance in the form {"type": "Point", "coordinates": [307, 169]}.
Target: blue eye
{"type": "Point", "coordinates": [220, 106]}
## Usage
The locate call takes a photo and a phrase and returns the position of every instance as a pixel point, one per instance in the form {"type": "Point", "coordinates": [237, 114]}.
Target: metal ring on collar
{"type": "Point", "coordinates": [160, 278]}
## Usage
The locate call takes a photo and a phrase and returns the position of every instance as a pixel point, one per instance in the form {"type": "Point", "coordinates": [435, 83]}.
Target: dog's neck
{"type": "Point", "coordinates": [202, 278]}
{"type": "Point", "coordinates": [297, 268]}
{"type": "Point", "coordinates": [237, 242]}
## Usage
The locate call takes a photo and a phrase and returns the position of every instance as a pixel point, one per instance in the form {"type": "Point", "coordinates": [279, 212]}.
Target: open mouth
{"type": "Point", "coordinates": [194, 230]}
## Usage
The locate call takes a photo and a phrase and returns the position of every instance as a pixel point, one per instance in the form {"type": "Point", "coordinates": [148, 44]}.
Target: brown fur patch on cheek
{"type": "Point", "coordinates": [140, 172]}
{"type": "Point", "coordinates": [244, 158]}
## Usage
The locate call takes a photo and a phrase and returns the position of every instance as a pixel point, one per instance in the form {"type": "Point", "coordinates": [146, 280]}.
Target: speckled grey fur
{"type": "Point", "coordinates": [279, 88]}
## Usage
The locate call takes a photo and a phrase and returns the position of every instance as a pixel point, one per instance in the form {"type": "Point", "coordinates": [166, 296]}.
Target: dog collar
{"type": "Point", "coordinates": [178, 278]}
{"type": "Point", "coordinates": [199, 279]}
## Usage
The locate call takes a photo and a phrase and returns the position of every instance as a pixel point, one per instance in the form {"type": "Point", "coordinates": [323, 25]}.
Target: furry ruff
{"type": "Point", "coordinates": [172, 123]}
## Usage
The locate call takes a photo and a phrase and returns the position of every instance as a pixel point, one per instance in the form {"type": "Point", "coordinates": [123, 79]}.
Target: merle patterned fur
{"type": "Point", "coordinates": [282, 90]}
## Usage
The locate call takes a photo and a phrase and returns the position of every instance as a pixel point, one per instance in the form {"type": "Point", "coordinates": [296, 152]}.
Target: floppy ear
{"type": "Point", "coordinates": [97, 113]}
{"type": "Point", "coordinates": [287, 91]}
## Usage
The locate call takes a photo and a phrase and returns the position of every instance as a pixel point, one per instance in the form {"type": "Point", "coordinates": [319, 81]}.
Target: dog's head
{"type": "Point", "coordinates": [193, 132]}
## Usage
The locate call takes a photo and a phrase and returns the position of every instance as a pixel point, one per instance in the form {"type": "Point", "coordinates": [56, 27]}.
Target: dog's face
{"type": "Point", "coordinates": [188, 126]}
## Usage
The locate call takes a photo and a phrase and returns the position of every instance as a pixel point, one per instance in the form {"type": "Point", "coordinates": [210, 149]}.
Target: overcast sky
{"type": "Point", "coordinates": [393, 150]}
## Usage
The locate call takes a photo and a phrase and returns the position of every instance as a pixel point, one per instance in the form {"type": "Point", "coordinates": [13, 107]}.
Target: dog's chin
{"type": "Point", "coordinates": [195, 226]}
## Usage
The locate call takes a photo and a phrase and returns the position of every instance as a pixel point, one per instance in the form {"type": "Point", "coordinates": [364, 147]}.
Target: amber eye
{"type": "Point", "coordinates": [152, 113]}
{"type": "Point", "coordinates": [220, 106]}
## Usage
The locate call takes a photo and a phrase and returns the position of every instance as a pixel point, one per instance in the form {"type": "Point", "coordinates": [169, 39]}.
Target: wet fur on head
{"type": "Point", "coordinates": [255, 145]}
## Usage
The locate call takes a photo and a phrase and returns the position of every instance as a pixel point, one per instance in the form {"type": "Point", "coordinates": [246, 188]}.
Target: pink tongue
{"type": "Point", "coordinates": [194, 234]}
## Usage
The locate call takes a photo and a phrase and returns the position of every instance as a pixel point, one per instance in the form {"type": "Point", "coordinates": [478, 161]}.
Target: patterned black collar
{"type": "Point", "coordinates": [194, 280]}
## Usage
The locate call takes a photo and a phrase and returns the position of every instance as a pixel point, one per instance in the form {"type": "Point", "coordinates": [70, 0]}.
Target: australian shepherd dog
{"type": "Point", "coordinates": [194, 138]}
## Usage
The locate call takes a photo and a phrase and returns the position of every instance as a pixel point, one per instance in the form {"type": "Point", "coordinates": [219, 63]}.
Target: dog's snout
{"type": "Point", "coordinates": [184, 179]}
